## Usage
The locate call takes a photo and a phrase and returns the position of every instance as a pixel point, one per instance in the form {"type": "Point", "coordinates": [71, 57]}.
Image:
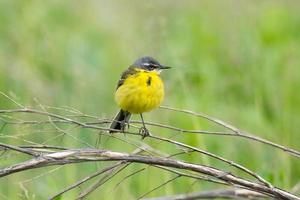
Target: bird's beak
{"type": "Point", "coordinates": [164, 67]}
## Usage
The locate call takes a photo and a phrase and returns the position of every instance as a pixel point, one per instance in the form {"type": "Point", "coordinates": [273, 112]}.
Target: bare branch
{"type": "Point", "coordinates": [85, 155]}
{"type": "Point", "coordinates": [234, 193]}
{"type": "Point", "coordinates": [236, 130]}
{"type": "Point", "coordinates": [216, 157]}
{"type": "Point", "coordinates": [190, 175]}
{"type": "Point", "coordinates": [15, 148]}
{"type": "Point", "coordinates": [43, 155]}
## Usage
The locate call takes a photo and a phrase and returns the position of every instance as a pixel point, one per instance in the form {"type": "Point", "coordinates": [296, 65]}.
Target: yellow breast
{"type": "Point", "coordinates": [140, 92]}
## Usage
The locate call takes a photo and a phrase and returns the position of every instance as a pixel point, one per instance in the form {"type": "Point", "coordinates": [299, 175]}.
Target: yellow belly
{"type": "Point", "coordinates": [140, 92]}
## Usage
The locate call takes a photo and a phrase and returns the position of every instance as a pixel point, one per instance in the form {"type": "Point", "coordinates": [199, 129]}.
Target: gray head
{"type": "Point", "coordinates": [148, 63]}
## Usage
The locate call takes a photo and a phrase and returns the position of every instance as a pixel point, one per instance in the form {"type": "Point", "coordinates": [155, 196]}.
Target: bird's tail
{"type": "Point", "coordinates": [119, 122]}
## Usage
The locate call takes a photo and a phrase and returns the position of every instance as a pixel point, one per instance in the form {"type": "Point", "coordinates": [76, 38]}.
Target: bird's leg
{"type": "Point", "coordinates": [143, 130]}
{"type": "Point", "coordinates": [126, 120]}
{"type": "Point", "coordinates": [123, 125]}
{"type": "Point", "coordinates": [128, 125]}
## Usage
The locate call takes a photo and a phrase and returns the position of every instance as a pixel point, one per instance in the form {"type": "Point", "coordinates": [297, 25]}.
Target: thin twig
{"type": "Point", "coordinates": [238, 166]}
{"type": "Point", "coordinates": [234, 193]}
{"type": "Point", "coordinates": [103, 180]}
{"type": "Point", "coordinates": [128, 176]}
{"type": "Point", "coordinates": [159, 186]}
{"type": "Point", "coordinates": [12, 100]}
{"type": "Point", "coordinates": [190, 175]}
{"type": "Point", "coordinates": [85, 179]}
{"type": "Point", "coordinates": [237, 131]}
{"type": "Point", "coordinates": [22, 150]}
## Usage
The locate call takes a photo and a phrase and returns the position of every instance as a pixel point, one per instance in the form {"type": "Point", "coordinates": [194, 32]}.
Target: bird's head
{"type": "Point", "coordinates": [149, 64]}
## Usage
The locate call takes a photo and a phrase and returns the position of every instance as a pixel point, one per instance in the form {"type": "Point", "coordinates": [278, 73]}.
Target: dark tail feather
{"type": "Point", "coordinates": [119, 122]}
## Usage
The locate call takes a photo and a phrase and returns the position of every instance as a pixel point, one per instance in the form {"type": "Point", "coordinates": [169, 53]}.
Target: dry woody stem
{"type": "Point", "coordinates": [42, 155]}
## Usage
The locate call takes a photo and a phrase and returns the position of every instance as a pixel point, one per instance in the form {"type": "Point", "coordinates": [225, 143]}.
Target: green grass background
{"type": "Point", "coordinates": [236, 60]}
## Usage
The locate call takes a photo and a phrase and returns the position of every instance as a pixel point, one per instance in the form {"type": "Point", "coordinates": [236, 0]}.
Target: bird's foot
{"type": "Point", "coordinates": [144, 132]}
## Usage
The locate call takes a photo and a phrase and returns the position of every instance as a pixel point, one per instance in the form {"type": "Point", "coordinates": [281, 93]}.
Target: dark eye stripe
{"type": "Point", "coordinates": [154, 65]}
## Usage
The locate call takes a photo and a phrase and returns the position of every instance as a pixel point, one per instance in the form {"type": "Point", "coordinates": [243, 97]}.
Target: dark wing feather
{"type": "Point", "coordinates": [126, 74]}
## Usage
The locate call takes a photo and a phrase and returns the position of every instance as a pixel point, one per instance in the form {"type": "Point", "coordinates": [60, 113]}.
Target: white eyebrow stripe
{"type": "Point", "coordinates": [151, 64]}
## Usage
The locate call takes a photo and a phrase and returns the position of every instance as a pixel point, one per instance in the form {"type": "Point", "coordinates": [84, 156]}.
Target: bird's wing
{"type": "Point", "coordinates": [126, 74]}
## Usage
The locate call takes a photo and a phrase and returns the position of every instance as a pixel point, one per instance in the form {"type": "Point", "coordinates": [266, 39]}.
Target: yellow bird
{"type": "Point", "coordinates": [139, 90]}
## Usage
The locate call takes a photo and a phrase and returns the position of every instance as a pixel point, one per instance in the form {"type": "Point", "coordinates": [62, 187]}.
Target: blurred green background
{"type": "Point", "coordinates": [236, 60]}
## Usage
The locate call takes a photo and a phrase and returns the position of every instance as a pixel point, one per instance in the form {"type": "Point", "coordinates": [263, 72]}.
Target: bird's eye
{"type": "Point", "coordinates": [149, 66]}
{"type": "Point", "coordinates": [152, 67]}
